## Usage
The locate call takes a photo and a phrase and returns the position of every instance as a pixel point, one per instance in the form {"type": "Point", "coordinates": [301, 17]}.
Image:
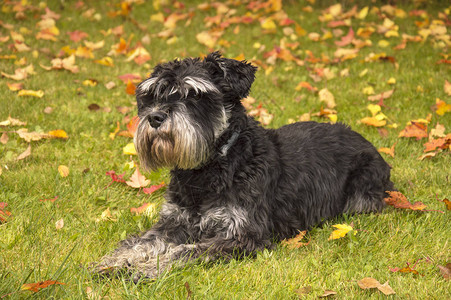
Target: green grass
{"type": "Point", "coordinates": [33, 250]}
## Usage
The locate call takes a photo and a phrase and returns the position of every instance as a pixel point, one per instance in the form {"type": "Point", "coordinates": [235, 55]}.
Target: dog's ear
{"type": "Point", "coordinates": [238, 75]}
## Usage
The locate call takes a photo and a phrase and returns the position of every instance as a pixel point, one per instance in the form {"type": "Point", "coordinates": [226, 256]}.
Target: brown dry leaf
{"type": "Point", "coordinates": [35, 287]}
{"type": "Point", "coordinates": [59, 224]}
{"type": "Point", "coordinates": [381, 96]}
{"type": "Point", "coordinates": [447, 203]}
{"type": "Point", "coordinates": [326, 96]}
{"type": "Point", "coordinates": [416, 130]}
{"type": "Point", "coordinates": [109, 85]}
{"type": "Point", "coordinates": [137, 180]}
{"type": "Point", "coordinates": [440, 143]}
{"type": "Point", "coordinates": [21, 73]}
{"type": "Point", "coordinates": [24, 154]}
{"type": "Point", "coordinates": [386, 289]}
{"type": "Point", "coordinates": [398, 200]}
{"type": "Point", "coordinates": [63, 171]}
{"type": "Point", "coordinates": [4, 138]}
{"type": "Point", "coordinates": [106, 216]}
{"type": "Point", "coordinates": [427, 155]}
{"type": "Point", "coordinates": [30, 136]}
{"type": "Point", "coordinates": [296, 242]}
{"type": "Point", "coordinates": [368, 283]}
{"type": "Point", "coordinates": [445, 271]}
{"type": "Point", "coordinates": [304, 290]}
{"type": "Point", "coordinates": [328, 293]}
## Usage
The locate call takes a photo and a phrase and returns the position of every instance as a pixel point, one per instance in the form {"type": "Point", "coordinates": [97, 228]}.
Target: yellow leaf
{"type": "Point", "coordinates": [369, 90]}
{"type": "Point", "coordinates": [392, 80]}
{"type": "Point", "coordinates": [90, 82]}
{"type": "Point", "coordinates": [268, 24]}
{"type": "Point", "coordinates": [206, 39]}
{"type": "Point", "coordinates": [442, 107]}
{"type": "Point", "coordinates": [106, 61]}
{"type": "Point", "coordinates": [341, 231]}
{"type": "Point", "coordinates": [373, 121]}
{"type": "Point", "coordinates": [383, 43]}
{"type": "Point", "coordinates": [63, 170]}
{"type": "Point", "coordinates": [362, 13]}
{"type": "Point", "coordinates": [332, 117]}
{"type": "Point", "coordinates": [129, 149]}
{"type": "Point", "coordinates": [59, 133]}
{"type": "Point", "coordinates": [374, 109]}
{"type": "Point", "coordinates": [32, 93]}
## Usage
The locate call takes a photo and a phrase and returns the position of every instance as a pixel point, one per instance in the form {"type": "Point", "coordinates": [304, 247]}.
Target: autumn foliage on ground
{"type": "Point", "coordinates": [71, 185]}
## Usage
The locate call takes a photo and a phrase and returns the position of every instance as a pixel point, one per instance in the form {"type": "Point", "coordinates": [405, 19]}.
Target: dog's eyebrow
{"type": "Point", "coordinates": [145, 85]}
{"type": "Point", "coordinates": [200, 85]}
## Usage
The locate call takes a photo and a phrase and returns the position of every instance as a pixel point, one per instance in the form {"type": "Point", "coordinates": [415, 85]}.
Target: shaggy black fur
{"type": "Point", "coordinates": [236, 187]}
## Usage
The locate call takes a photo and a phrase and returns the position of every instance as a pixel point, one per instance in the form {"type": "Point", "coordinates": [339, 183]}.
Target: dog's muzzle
{"type": "Point", "coordinates": [157, 118]}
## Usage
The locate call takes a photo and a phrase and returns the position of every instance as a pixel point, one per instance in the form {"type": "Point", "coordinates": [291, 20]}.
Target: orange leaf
{"type": "Point", "coordinates": [142, 209]}
{"type": "Point", "coordinates": [398, 200]}
{"type": "Point", "coordinates": [35, 287]}
{"type": "Point", "coordinates": [296, 242]}
{"type": "Point", "coordinates": [447, 203]}
{"type": "Point", "coordinates": [373, 121]}
{"type": "Point", "coordinates": [390, 151]}
{"type": "Point", "coordinates": [4, 214]}
{"type": "Point", "coordinates": [131, 88]}
{"type": "Point", "coordinates": [417, 130]}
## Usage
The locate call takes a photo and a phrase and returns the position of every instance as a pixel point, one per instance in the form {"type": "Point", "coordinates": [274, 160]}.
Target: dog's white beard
{"type": "Point", "coordinates": [176, 143]}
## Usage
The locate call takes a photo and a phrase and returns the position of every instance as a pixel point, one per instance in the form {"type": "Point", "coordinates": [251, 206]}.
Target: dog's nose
{"type": "Point", "coordinates": [157, 118]}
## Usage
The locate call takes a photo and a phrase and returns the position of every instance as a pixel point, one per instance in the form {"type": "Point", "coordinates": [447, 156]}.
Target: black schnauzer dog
{"type": "Point", "coordinates": [236, 187]}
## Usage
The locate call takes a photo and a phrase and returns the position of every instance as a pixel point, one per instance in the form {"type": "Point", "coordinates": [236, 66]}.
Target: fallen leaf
{"type": "Point", "coordinates": [4, 214]}
{"type": "Point", "coordinates": [12, 122]}
{"type": "Point", "coordinates": [373, 121]}
{"type": "Point", "coordinates": [386, 289]}
{"type": "Point", "coordinates": [147, 208]}
{"type": "Point", "coordinates": [63, 170]}
{"type": "Point", "coordinates": [137, 180]}
{"type": "Point", "coordinates": [50, 200]}
{"type": "Point", "coordinates": [59, 133]}
{"type": "Point", "coordinates": [129, 149]}
{"type": "Point", "coordinates": [442, 107]}
{"type": "Point", "coordinates": [383, 95]}
{"type": "Point", "coordinates": [416, 130]}
{"type": "Point", "coordinates": [106, 216]}
{"type": "Point", "coordinates": [59, 224]}
{"type": "Point", "coordinates": [38, 94]}
{"type": "Point", "coordinates": [304, 290]}
{"type": "Point", "coordinates": [390, 151]}
{"type": "Point", "coordinates": [115, 177]}
{"type": "Point", "coordinates": [326, 96]}
{"type": "Point", "coordinates": [4, 138]}
{"type": "Point", "coordinates": [445, 271]}
{"type": "Point", "coordinates": [328, 293]}
{"type": "Point", "coordinates": [398, 200]}
{"type": "Point", "coordinates": [447, 203]}
{"type": "Point", "coordinates": [14, 86]}
{"type": "Point", "coordinates": [35, 287]}
{"type": "Point", "coordinates": [306, 85]}
{"type": "Point", "coordinates": [153, 188]}
{"type": "Point", "coordinates": [341, 231]}
{"type": "Point", "coordinates": [368, 283]}
{"type": "Point", "coordinates": [296, 242]}
{"type": "Point", "coordinates": [24, 154]}
{"type": "Point", "coordinates": [447, 88]}
{"type": "Point", "coordinates": [131, 88]}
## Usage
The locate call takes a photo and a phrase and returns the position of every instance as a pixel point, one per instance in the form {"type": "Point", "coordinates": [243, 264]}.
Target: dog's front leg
{"type": "Point", "coordinates": [152, 252]}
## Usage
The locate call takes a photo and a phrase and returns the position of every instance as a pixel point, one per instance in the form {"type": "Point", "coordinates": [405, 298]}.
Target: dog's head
{"type": "Point", "coordinates": [185, 106]}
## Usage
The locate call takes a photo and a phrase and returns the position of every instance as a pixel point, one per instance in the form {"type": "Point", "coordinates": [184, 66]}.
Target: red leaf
{"type": "Point", "coordinates": [77, 35]}
{"type": "Point", "coordinates": [346, 40]}
{"type": "Point", "coordinates": [135, 78]}
{"type": "Point", "coordinates": [115, 177]}
{"type": "Point", "coordinates": [153, 188]}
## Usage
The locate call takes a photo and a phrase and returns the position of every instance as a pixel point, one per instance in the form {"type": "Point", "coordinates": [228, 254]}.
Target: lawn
{"type": "Point", "coordinates": [68, 73]}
